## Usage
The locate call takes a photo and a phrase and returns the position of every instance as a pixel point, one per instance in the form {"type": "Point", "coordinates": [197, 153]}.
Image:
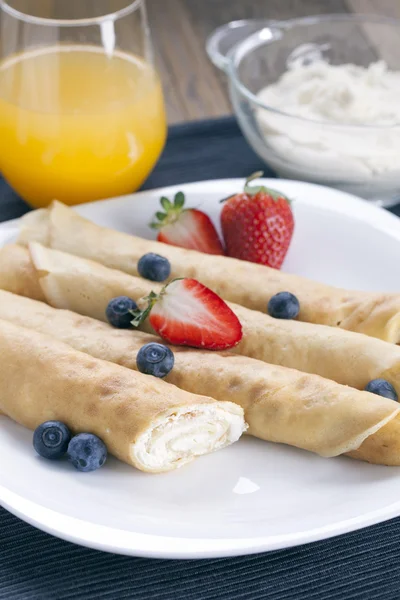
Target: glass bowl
{"type": "Point", "coordinates": [363, 159]}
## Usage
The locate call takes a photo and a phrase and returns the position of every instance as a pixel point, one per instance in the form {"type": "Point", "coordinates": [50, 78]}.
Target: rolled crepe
{"type": "Point", "coordinates": [281, 405]}
{"type": "Point", "coordinates": [143, 421]}
{"type": "Point", "coordinates": [245, 283]}
{"type": "Point", "coordinates": [85, 287]}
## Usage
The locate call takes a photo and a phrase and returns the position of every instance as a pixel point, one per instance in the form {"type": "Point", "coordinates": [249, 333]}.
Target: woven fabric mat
{"type": "Point", "coordinates": [364, 565]}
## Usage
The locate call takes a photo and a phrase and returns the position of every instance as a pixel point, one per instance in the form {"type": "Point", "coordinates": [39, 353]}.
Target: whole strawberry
{"type": "Point", "coordinates": [257, 225]}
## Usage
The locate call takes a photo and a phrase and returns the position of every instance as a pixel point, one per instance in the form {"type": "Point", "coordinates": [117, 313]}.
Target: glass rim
{"type": "Point", "coordinates": [31, 19]}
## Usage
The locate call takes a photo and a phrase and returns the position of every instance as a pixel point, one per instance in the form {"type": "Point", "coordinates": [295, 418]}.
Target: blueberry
{"type": "Point", "coordinates": [284, 306]}
{"type": "Point", "coordinates": [51, 439]}
{"type": "Point", "coordinates": [381, 387]}
{"type": "Point", "coordinates": [154, 267]}
{"type": "Point", "coordinates": [87, 452]}
{"type": "Point", "coordinates": [118, 312]}
{"type": "Point", "coordinates": [155, 359]}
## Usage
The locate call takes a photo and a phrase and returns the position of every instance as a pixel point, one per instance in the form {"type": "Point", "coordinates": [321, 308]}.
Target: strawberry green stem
{"type": "Point", "coordinates": [139, 316]}
{"type": "Point", "coordinates": [253, 176]}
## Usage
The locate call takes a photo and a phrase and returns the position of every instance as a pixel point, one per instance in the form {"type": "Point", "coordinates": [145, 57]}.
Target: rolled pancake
{"type": "Point", "coordinates": [281, 405]}
{"type": "Point", "coordinates": [145, 422]}
{"type": "Point", "coordinates": [245, 283]}
{"type": "Point", "coordinates": [85, 287]}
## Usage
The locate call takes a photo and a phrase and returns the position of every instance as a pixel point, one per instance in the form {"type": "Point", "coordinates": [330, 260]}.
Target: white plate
{"type": "Point", "coordinates": [253, 496]}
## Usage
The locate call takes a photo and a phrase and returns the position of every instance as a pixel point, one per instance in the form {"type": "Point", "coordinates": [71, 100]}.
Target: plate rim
{"type": "Point", "coordinates": [130, 543]}
{"type": "Point", "coordinates": [91, 535]}
{"type": "Point", "coordinates": [349, 204]}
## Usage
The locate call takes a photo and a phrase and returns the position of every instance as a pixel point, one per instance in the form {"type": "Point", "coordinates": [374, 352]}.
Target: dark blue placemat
{"type": "Point", "coordinates": [35, 566]}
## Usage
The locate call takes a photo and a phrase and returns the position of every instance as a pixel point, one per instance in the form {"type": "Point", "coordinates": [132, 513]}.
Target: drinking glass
{"type": "Point", "coordinates": [81, 106]}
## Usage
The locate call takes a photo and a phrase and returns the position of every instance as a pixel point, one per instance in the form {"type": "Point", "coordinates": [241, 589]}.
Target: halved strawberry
{"type": "Point", "coordinates": [187, 313]}
{"type": "Point", "coordinates": [186, 227]}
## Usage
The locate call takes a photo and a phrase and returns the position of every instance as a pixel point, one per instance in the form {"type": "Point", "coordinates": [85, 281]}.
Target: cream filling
{"type": "Point", "coordinates": [176, 438]}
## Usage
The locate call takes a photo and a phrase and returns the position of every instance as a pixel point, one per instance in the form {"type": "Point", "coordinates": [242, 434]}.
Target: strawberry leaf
{"type": "Point", "coordinates": [253, 190]}
{"type": "Point", "coordinates": [139, 316]}
{"type": "Point", "coordinates": [166, 204]}
{"type": "Point", "coordinates": [179, 200]}
{"type": "Point", "coordinates": [158, 224]}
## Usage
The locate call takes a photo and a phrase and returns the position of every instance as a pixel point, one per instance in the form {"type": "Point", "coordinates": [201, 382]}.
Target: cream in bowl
{"type": "Point", "coordinates": [317, 98]}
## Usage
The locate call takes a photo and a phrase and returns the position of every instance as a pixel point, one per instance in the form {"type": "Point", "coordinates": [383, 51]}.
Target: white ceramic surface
{"type": "Point", "coordinates": [253, 496]}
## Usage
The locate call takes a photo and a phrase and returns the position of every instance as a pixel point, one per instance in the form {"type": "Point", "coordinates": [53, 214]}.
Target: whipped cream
{"type": "Point", "coordinates": [352, 127]}
{"type": "Point", "coordinates": [175, 439]}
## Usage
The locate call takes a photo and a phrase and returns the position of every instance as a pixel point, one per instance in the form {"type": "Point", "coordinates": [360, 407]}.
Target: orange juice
{"type": "Point", "coordinates": [78, 125]}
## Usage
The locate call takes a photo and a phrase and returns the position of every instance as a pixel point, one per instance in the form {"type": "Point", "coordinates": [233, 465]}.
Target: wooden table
{"type": "Point", "coordinates": [193, 86]}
